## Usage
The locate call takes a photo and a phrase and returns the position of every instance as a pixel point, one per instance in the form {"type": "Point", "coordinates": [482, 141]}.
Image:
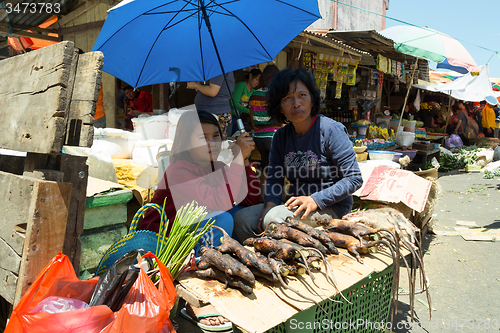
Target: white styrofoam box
{"type": "Point", "coordinates": [115, 142]}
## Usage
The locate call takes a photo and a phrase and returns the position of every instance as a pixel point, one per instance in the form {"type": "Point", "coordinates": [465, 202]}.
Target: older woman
{"type": "Point", "coordinates": [313, 152]}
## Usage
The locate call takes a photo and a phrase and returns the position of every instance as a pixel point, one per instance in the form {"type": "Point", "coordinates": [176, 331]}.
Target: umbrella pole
{"type": "Point", "coordinates": [406, 98]}
{"type": "Point", "coordinates": [209, 27]}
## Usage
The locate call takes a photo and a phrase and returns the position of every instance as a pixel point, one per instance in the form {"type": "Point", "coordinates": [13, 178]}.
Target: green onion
{"type": "Point", "coordinates": [172, 251]}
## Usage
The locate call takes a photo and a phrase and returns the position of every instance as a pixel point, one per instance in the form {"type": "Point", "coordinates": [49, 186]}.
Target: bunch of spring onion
{"type": "Point", "coordinates": [173, 250]}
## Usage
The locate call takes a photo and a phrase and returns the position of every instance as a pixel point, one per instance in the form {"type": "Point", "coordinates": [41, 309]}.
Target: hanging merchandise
{"type": "Point", "coordinates": [380, 80]}
{"type": "Point", "coordinates": [381, 63]}
{"type": "Point", "coordinates": [338, 90]}
{"type": "Point", "coordinates": [374, 77]}
{"type": "Point", "coordinates": [351, 75]}
{"type": "Point", "coordinates": [394, 67]}
{"type": "Point", "coordinates": [396, 84]}
{"type": "Point", "coordinates": [398, 69]}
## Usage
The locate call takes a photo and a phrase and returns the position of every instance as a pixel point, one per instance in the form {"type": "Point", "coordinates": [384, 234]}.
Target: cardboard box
{"type": "Point", "coordinates": [393, 185]}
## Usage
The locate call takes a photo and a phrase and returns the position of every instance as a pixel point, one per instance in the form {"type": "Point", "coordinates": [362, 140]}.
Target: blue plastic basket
{"type": "Point", "coordinates": [142, 239]}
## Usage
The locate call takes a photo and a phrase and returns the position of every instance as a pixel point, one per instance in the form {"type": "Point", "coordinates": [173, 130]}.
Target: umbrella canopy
{"type": "Point", "coordinates": [431, 45]}
{"type": "Point", "coordinates": [473, 88]}
{"type": "Point", "coordinates": [157, 41]}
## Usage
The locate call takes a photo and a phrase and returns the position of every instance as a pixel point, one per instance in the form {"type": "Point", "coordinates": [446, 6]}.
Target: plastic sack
{"type": "Point", "coordinates": [453, 141]}
{"type": "Point", "coordinates": [145, 308]}
{"type": "Point", "coordinates": [55, 304]}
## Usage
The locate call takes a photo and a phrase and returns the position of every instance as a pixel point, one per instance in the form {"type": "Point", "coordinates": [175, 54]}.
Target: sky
{"type": "Point", "coordinates": [473, 23]}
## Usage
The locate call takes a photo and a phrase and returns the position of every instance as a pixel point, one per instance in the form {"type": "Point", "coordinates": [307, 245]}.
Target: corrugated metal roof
{"type": "Point", "coordinates": [326, 41]}
{"type": "Point", "coordinates": [372, 42]}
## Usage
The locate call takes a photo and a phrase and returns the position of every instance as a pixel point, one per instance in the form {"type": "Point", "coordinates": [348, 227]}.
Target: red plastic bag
{"type": "Point", "coordinates": [145, 309]}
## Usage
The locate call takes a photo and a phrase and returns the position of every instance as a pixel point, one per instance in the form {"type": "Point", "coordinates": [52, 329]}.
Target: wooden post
{"type": "Point", "coordinates": [163, 97]}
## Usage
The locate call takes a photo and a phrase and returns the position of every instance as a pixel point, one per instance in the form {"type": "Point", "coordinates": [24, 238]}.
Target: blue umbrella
{"type": "Point", "coordinates": [157, 41]}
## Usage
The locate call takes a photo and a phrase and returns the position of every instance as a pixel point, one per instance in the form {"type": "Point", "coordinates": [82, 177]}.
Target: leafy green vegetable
{"type": "Point", "coordinates": [173, 250]}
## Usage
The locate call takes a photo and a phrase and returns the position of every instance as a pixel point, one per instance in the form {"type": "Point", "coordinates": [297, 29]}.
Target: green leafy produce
{"type": "Point", "coordinates": [450, 162]}
{"type": "Point", "coordinates": [173, 250]}
{"type": "Point", "coordinates": [492, 174]}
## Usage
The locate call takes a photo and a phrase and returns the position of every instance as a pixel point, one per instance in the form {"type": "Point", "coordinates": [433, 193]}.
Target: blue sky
{"type": "Point", "coordinates": [471, 22]}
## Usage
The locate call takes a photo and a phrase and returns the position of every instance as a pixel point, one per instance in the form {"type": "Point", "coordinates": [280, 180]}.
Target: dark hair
{"type": "Point", "coordinates": [128, 87]}
{"type": "Point", "coordinates": [254, 72]}
{"type": "Point", "coordinates": [279, 87]}
{"type": "Point", "coordinates": [455, 106]}
{"type": "Point", "coordinates": [185, 128]}
{"type": "Point", "coordinates": [267, 75]}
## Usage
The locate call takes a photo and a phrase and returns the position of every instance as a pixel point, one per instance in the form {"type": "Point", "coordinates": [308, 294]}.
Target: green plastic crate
{"type": "Point", "coordinates": [370, 298]}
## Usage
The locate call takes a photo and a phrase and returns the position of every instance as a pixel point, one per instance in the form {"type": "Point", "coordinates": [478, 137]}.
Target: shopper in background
{"type": "Point", "coordinates": [488, 120]}
{"type": "Point", "coordinates": [121, 98]}
{"type": "Point", "coordinates": [214, 97]}
{"type": "Point", "coordinates": [100, 116]}
{"type": "Point", "coordinates": [242, 92]}
{"type": "Point", "coordinates": [263, 126]}
{"type": "Point", "coordinates": [139, 102]}
{"type": "Point", "coordinates": [458, 122]}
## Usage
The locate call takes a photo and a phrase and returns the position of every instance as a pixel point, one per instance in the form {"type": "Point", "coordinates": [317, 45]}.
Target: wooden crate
{"type": "Point", "coordinates": [48, 103]}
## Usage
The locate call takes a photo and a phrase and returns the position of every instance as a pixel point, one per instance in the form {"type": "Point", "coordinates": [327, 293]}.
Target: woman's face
{"type": "Point", "coordinates": [130, 93]}
{"type": "Point", "coordinates": [297, 105]}
{"type": "Point", "coordinates": [205, 144]}
{"type": "Point", "coordinates": [254, 81]}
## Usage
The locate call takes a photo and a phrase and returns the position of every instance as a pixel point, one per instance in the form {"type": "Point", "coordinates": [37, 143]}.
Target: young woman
{"type": "Point", "coordinates": [312, 151]}
{"type": "Point", "coordinates": [195, 174]}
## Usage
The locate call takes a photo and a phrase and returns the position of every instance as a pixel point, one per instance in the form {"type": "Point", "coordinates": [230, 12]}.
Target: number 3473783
{"type": "Point", "coordinates": [33, 8]}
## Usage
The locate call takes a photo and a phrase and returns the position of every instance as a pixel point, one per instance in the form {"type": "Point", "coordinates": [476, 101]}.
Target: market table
{"type": "Point", "coordinates": [271, 308]}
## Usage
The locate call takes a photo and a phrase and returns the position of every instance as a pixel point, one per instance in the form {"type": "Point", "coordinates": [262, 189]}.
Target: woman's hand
{"type": "Point", "coordinates": [191, 84]}
{"type": "Point", "coordinates": [267, 206]}
{"type": "Point", "coordinates": [245, 144]}
{"type": "Point", "coordinates": [302, 203]}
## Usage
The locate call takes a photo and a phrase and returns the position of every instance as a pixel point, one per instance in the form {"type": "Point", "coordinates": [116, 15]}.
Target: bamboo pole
{"type": "Point", "coordinates": [406, 98]}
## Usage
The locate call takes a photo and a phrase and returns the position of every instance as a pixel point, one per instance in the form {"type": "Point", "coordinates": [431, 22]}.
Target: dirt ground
{"type": "Point", "coordinates": [464, 276]}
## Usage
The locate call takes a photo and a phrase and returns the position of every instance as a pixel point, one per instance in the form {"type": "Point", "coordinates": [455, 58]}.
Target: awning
{"type": "Point", "coordinates": [371, 42]}
{"type": "Point", "coordinates": [470, 87]}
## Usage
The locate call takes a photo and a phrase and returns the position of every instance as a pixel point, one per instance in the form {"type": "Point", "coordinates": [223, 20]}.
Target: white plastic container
{"type": "Point", "coordinates": [409, 125]}
{"type": "Point", "coordinates": [145, 152]}
{"type": "Point", "coordinates": [362, 130]}
{"type": "Point", "coordinates": [381, 155]}
{"type": "Point", "coordinates": [151, 128]}
{"type": "Point", "coordinates": [405, 139]}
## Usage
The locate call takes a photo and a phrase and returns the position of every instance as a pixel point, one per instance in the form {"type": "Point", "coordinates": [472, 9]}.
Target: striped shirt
{"type": "Point", "coordinates": [266, 127]}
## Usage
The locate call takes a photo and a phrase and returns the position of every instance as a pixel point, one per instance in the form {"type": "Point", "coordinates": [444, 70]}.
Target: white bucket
{"type": "Point", "coordinates": [405, 139]}
{"type": "Point", "coordinates": [145, 152]}
{"type": "Point", "coordinates": [151, 128]}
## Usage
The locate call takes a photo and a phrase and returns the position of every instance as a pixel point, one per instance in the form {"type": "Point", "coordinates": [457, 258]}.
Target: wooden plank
{"type": "Point", "coordinates": [48, 214]}
{"type": "Point", "coordinates": [8, 283]}
{"type": "Point", "coordinates": [33, 104]}
{"type": "Point", "coordinates": [85, 95]}
{"type": "Point", "coordinates": [76, 173]}
{"type": "Point", "coordinates": [12, 164]}
{"type": "Point", "coordinates": [15, 196]}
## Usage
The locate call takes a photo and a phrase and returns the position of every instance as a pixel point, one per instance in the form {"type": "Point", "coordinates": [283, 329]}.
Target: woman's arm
{"type": "Point", "coordinates": [344, 163]}
{"type": "Point", "coordinates": [210, 90]}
